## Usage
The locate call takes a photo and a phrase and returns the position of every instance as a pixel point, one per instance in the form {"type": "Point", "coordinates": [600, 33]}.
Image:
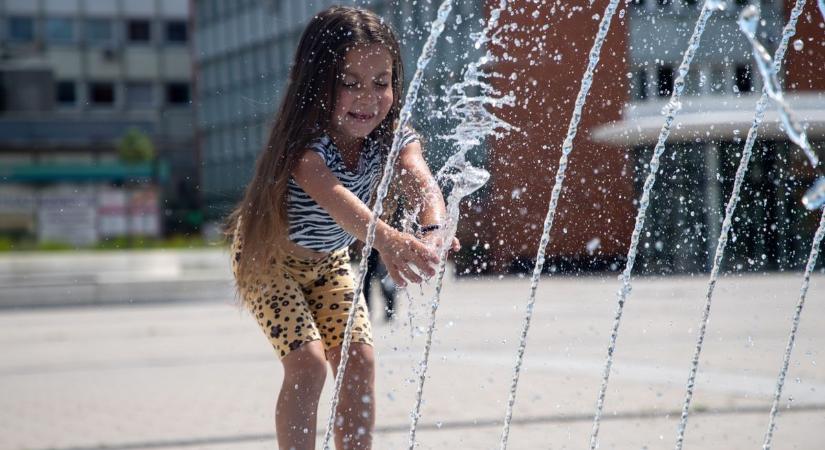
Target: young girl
{"type": "Point", "coordinates": [308, 201]}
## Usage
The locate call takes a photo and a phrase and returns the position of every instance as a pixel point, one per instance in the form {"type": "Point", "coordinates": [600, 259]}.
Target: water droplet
{"type": "Point", "coordinates": [798, 45]}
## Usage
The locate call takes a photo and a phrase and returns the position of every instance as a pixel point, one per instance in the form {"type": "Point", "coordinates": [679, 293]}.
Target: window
{"type": "Point", "coordinates": [176, 31]}
{"type": "Point", "coordinates": [744, 82]}
{"type": "Point", "coordinates": [21, 29]}
{"type": "Point", "coordinates": [177, 93]}
{"type": "Point", "coordinates": [102, 93]}
{"type": "Point", "coordinates": [641, 84]}
{"type": "Point", "coordinates": [59, 30]}
{"type": "Point", "coordinates": [65, 93]}
{"type": "Point", "coordinates": [139, 95]}
{"type": "Point", "coordinates": [717, 80]}
{"type": "Point", "coordinates": [139, 31]}
{"type": "Point", "coordinates": [665, 76]}
{"type": "Point", "coordinates": [99, 31]}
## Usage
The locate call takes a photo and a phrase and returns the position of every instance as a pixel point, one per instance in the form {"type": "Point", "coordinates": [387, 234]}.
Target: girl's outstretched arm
{"type": "Point", "coordinates": [399, 250]}
{"type": "Point", "coordinates": [419, 185]}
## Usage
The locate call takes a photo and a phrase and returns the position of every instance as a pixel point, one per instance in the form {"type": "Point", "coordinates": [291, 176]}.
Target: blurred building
{"type": "Point", "coordinates": [75, 77]}
{"type": "Point", "coordinates": [772, 230]}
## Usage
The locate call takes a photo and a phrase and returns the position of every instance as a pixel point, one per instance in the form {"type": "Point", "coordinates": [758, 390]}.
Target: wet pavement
{"type": "Point", "coordinates": [159, 358]}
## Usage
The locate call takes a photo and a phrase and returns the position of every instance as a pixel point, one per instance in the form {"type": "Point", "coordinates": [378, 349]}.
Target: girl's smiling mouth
{"type": "Point", "coordinates": [361, 116]}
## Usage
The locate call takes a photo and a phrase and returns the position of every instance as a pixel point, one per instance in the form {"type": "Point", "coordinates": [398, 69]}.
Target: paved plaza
{"type": "Point", "coordinates": [156, 357]}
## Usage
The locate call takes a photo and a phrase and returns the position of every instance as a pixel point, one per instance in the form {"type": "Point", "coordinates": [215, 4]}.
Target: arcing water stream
{"type": "Point", "coordinates": [670, 110]}
{"type": "Point", "coordinates": [788, 31]}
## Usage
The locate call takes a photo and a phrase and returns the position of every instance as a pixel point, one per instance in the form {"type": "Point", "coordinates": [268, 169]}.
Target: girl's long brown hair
{"type": "Point", "coordinates": [304, 114]}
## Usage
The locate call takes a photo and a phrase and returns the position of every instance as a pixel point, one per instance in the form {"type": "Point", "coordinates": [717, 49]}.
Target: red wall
{"type": "Point", "coordinates": [804, 69]}
{"type": "Point", "coordinates": [597, 198]}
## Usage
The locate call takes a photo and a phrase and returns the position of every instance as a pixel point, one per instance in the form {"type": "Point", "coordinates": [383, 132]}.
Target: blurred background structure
{"type": "Point", "coordinates": [772, 232]}
{"type": "Point", "coordinates": [122, 119]}
{"type": "Point", "coordinates": [96, 135]}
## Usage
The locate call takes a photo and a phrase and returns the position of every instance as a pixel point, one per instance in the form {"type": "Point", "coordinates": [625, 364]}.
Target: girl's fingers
{"type": "Point", "coordinates": [424, 264]}
{"type": "Point", "coordinates": [411, 275]}
{"type": "Point", "coordinates": [428, 254]}
{"type": "Point", "coordinates": [395, 275]}
{"type": "Point", "coordinates": [456, 245]}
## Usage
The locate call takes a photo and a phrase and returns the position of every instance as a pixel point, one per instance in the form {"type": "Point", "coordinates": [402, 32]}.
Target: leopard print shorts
{"type": "Point", "coordinates": [300, 301]}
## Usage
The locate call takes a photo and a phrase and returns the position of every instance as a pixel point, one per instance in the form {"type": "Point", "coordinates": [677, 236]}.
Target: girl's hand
{"type": "Point", "coordinates": [435, 241]}
{"type": "Point", "coordinates": [401, 253]}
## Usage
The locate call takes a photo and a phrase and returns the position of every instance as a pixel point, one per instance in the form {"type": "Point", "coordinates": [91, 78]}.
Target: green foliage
{"type": "Point", "coordinates": [55, 246]}
{"type": "Point", "coordinates": [135, 147]}
{"type": "Point", "coordinates": [9, 244]}
{"type": "Point", "coordinates": [6, 244]}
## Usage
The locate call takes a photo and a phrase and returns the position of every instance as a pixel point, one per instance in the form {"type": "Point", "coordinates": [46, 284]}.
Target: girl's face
{"type": "Point", "coordinates": [364, 91]}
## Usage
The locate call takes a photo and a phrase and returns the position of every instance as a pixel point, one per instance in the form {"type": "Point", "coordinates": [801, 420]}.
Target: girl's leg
{"type": "Point", "coordinates": [355, 417]}
{"type": "Point", "coordinates": [297, 409]}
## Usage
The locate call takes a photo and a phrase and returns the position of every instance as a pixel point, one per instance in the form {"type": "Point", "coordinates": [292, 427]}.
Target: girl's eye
{"type": "Point", "coordinates": [381, 83]}
{"type": "Point", "coordinates": [350, 84]}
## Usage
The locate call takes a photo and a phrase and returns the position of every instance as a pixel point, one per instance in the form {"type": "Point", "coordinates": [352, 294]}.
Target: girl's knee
{"type": "Point", "coordinates": [360, 365]}
{"type": "Point", "coordinates": [307, 363]}
{"type": "Point", "coordinates": [363, 355]}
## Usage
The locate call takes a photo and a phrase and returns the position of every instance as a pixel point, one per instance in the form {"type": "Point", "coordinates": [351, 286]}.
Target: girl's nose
{"type": "Point", "coordinates": [363, 92]}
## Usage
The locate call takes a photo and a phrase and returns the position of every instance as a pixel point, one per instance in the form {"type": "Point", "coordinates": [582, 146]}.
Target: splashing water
{"type": "Point", "coordinates": [759, 114]}
{"type": "Point", "coordinates": [670, 110]}
{"type": "Point", "coordinates": [815, 197]}
{"type": "Point", "coordinates": [466, 180]}
{"type": "Point", "coordinates": [476, 123]}
{"type": "Point", "coordinates": [437, 27]}
{"type": "Point", "coordinates": [407, 226]}
{"type": "Point", "coordinates": [567, 148]}
{"type": "Point", "coordinates": [794, 128]}
{"type": "Point", "coordinates": [822, 8]}
{"type": "Point", "coordinates": [748, 22]}
{"type": "Point", "coordinates": [803, 292]}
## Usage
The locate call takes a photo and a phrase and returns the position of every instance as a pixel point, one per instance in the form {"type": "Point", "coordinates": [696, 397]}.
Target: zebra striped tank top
{"type": "Point", "coordinates": [310, 226]}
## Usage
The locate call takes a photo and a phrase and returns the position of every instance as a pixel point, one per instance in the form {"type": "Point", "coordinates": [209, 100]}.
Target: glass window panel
{"type": "Point", "coordinates": [59, 30]}
{"type": "Point", "coordinates": [717, 80]}
{"type": "Point", "coordinates": [744, 82]}
{"type": "Point", "coordinates": [177, 93]}
{"type": "Point", "coordinates": [66, 93]}
{"type": "Point", "coordinates": [139, 94]}
{"type": "Point", "coordinates": [176, 31]}
{"type": "Point", "coordinates": [102, 93]}
{"type": "Point", "coordinates": [21, 29]}
{"type": "Point", "coordinates": [139, 31]}
{"type": "Point", "coordinates": [665, 78]}
{"type": "Point", "coordinates": [99, 31]}
{"type": "Point", "coordinates": [641, 84]}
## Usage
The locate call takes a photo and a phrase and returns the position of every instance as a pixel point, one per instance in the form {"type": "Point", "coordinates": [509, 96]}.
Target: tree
{"type": "Point", "coordinates": [135, 147]}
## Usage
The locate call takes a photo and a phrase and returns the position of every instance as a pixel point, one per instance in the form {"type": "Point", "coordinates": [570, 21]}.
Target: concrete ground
{"type": "Point", "coordinates": [155, 361]}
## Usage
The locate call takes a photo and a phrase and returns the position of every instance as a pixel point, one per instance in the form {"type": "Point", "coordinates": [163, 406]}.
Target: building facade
{"type": "Point", "coordinates": [772, 230]}
{"type": "Point", "coordinates": [75, 77]}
